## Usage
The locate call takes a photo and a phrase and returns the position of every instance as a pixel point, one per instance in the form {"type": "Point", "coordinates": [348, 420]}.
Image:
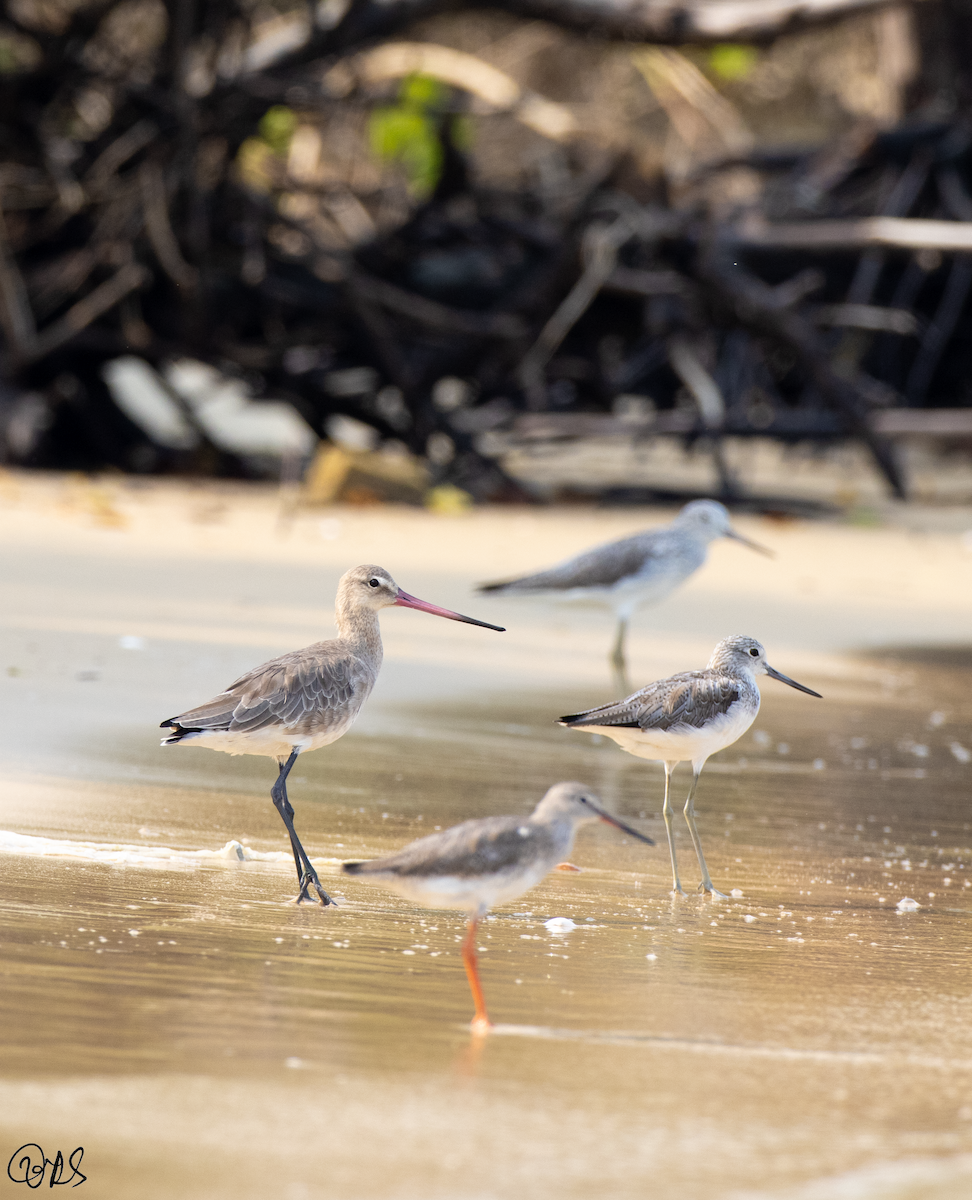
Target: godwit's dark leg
{"type": "Point", "coordinates": [306, 873]}
{"type": "Point", "coordinates": [293, 841]}
{"type": "Point", "coordinates": [480, 1022]}
{"type": "Point", "coordinates": [706, 884]}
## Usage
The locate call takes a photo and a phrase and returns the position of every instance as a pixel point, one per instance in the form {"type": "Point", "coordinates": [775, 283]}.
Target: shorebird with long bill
{"type": "Point", "coordinates": [479, 864]}
{"type": "Point", "coordinates": [635, 571]}
{"type": "Point", "coordinates": [687, 718]}
{"type": "Point", "coordinates": [307, 698]}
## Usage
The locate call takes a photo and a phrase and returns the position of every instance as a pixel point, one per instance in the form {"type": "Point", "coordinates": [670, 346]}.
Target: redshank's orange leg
{"type": "Point", "coordinates": [480, 1022]}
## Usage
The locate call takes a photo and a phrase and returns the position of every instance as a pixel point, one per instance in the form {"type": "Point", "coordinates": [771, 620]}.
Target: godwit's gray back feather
{"type": "Point", "coordinates": [307, 692]}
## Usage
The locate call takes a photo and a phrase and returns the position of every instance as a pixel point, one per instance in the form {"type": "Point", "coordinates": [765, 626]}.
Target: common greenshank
{"type": "Point", "coordinates": [634, 571]}
{"type": "Point", "coordinates": [687, 718]}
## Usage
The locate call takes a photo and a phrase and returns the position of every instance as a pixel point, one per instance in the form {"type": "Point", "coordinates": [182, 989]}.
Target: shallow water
{"type": "Point", "coordinates": [165, 1005]}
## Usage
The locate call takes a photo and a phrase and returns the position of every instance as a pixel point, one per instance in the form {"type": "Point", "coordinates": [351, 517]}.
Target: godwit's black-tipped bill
{"type": "Point", "coordinates": [305, 699]}
{"type": "Point", "coordinates": [738, 537]}
{"type": "Point", "coordinates": [406, 601]}
{"type": "Point", "coordinates": [618, 824]}
{"type": "Point", "coordinates": [773, 674]}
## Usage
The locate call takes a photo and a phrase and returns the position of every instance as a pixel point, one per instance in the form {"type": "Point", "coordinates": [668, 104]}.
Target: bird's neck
{"type": "Point", "coordinates": [359, 626]}
{"type": "Point", "coordinates": [697, 533]}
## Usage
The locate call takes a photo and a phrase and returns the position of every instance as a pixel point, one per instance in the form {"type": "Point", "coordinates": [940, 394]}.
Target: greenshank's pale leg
{"type": "Point", "coordinates": [687, 718]}
{"type": "Point", "coordinates": [305, 699]}
{"type": "Point", "coordinates": [479, 864]}
{"type": "Point", "coordinates": [635, 571]}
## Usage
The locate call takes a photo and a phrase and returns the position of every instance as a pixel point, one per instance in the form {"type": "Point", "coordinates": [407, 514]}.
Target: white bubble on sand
{"type": "Point", "coordinates": [559, 925]}
{"type": "Point", "coordinates": [906, 904]}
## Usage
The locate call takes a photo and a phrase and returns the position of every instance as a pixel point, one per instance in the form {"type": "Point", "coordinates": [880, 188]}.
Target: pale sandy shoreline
{"type": "Point", "coordinates": [321, 1054]}
{"type": "Point", "coordinates": [833, 587]}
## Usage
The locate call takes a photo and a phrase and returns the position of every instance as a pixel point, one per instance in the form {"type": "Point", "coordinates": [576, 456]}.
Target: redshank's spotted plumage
{"type": "Point", "coordinates": [479, 864]}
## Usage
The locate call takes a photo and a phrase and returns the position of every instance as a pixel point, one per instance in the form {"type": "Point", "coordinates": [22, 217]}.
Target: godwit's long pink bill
{"type": "Point", "coordinates": [479, 864]}
{"type": "Point", "coordinates": [307, 698]}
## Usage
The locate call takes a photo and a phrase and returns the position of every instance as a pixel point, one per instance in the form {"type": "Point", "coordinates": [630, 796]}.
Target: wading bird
{"type": "Point", "coordinates": [305, 699]}
{"type": "Point", "coordinates": [479, 864]}
{"type": "Point", "coordinates": [687, 718]}
{"type": "Point", "coordinates": [635, 571]}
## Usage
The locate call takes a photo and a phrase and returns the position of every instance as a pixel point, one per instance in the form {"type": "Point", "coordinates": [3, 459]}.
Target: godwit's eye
{"type": "Point", "coordinates": [754, 652]}
{"type": "Point", "coordinates": [374, 582]}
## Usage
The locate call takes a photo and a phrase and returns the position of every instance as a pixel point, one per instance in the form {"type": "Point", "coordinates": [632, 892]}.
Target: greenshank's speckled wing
{"type": "Point", "coordinates": [691, 698]}
{"type": "Point", "coordinates": [603, 566]}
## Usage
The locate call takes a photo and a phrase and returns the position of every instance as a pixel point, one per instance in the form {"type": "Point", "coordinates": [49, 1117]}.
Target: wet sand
{"type": "Point", "coordinates": [166, 1007]}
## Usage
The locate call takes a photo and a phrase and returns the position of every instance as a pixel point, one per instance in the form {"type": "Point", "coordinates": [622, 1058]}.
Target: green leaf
{"type": "Point", "coordinates": [404, 133]}
{"type": "Point", "coordinates": [731, 61]}
{"type": "Point", "coordinates": [277, 127]}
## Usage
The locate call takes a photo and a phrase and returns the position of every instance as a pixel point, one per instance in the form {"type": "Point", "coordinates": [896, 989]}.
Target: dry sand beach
{"type": "Point", "coordinates": [166, 1008]}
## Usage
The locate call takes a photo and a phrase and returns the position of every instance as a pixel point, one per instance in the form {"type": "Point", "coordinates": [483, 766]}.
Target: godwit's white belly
{"type": "Point", "coordinates": [683, 743]}
{"type": "Point", "coordinates": [275, 741]}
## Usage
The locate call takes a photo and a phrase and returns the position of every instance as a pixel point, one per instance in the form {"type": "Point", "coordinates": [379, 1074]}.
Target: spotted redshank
{"type": "Point", "coordinates": [305, 699]}
{"type": "Point", "coordinates": [479, 864]}
{"type": "Point", "coordinates": [687, 718]}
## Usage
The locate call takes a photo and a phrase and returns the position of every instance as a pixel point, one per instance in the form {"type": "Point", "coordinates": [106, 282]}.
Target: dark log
{"type": "Point", "coordinates": [753, 304]}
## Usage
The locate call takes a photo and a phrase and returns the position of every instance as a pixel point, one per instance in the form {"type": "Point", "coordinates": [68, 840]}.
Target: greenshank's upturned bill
{"type": "Point", "coordinates": [305, 699]}
{"type": "Point", "coordinates": [479, 864]}
{"type": "Point", "coordinates": [635, 571]}
{"type": "Point", "coordinates": [687, 718]}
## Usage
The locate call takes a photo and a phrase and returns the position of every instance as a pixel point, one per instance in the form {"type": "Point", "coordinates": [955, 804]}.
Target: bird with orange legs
{"type": "Point", "coordinates": [479, 864]}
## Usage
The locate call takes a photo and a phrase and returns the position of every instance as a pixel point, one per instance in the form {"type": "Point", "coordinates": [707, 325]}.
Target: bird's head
{"type": "Point", "coordinates": [708, 519]}
{"type": "Point", "coordinates": [577, 803]}
{"type": "Point", "coordinates": [372, 587]}
{"type": "Point", "coordinates": [741, 655]}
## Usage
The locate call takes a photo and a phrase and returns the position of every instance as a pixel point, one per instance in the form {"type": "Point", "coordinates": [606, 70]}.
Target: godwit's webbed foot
{"type": "Point", "coordinates": [308, 880]}
{"type": "Point", "coordinates": [678, 890]}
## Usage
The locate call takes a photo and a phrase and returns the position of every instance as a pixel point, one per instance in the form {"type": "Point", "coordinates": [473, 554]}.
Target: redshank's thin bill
{"type": "Point", "coordinates": [687, 718]}
{"type": "Point", "coordinates": [479, 864]}
{"type": "Point", "coordinates": [635, 571]}
{"type": "Point", "coordinates": [305, 699]}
